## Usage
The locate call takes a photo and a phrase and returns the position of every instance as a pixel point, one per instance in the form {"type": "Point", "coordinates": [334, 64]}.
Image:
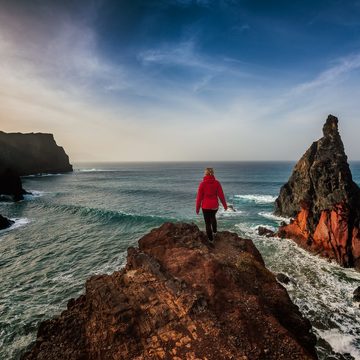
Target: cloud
{"type": "Point", "coordinates": [342, 67]}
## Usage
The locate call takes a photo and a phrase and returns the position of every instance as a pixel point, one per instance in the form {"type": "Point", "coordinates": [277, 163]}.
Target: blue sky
{"type": "Point", "coordinates": [179, 79]}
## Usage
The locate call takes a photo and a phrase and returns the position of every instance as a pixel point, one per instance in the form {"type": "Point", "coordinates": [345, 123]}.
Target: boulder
{"type": "Point", "coordinates": [323, 201]}
{"type": "Point", "coordinates": [263, 231]}
{"type": "Point", "coordinates": [11, 186]}
{"type": "Point", "coordinates": [178, 298]}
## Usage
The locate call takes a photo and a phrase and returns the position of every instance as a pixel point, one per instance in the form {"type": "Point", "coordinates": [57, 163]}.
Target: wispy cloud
{"type": "Point", "coordinates": [334, 73]}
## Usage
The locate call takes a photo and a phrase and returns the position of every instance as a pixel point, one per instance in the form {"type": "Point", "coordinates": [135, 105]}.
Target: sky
{"type": "Point", "coordinates": [181, 80]}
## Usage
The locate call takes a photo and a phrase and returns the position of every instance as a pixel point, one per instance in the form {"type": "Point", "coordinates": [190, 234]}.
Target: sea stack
{"type": "Point", "coordinates": [323, 201]}
{"type": "Point", "coordinates": [180, 298]}
{"type": "Point", "coordinates": [34, 153]}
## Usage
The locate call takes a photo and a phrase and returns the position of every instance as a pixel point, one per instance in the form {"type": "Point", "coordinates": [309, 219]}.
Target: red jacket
{"type": "Point", "coordinates": [208, 193]}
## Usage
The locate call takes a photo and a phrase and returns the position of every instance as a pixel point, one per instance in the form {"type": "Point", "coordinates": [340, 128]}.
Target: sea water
{"type": "Point", "coordinates": [79, 224]}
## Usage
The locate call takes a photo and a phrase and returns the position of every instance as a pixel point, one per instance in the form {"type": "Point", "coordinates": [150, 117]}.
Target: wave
{"type": "Point", "coordinates": [271, 216]}
{"type": "Point", "coordinates": [340, 342]}
{"type": "Point", "coordinates": [18, 222]}
{"type": "Point", "coordinates": [34, 194]}
{"type": "Point", "coordinates": [108, 216]}
{"type": "Point", "coordinates": [41, 175]}
{"type": "Point", "coordinates": [230, 213]}
{"type": "Point", "coordinates": [95, 170]}
{"type": "Point", "coordinates": [258, 199]}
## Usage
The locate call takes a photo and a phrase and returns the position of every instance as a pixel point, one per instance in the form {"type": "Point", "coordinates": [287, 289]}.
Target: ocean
{"type": "Point", "coordinates": [79, 224]}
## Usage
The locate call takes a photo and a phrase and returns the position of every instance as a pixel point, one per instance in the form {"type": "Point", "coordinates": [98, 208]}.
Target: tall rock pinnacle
{"type": "Point", "coordinates": [323, 200]}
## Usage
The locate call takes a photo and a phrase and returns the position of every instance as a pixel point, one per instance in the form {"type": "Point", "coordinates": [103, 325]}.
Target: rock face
{"type": "Point", "coordinates": [323, 201]}
{"type": "Point", "coordinates": [5, 223]}
{"type": "Point", "coordinates": [28, 154]}
{"type": "Point", "coordinates": [177, 298]}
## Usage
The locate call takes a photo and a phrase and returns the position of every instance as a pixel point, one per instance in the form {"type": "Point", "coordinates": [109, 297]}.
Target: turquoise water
{"type": "Point", "coordinates": [79, 224]}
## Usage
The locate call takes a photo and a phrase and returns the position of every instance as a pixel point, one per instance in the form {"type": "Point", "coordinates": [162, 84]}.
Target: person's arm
{"type": "Point", "coordinates": [222, 196]}
{"type": "Point", "coordinates": [199, 197]}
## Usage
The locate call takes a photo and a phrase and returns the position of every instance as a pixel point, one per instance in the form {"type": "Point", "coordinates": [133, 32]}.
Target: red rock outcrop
{"type": "Point", "coordinates": [181, 298]}
{"type": "Point", "coordinates": [323, 201]}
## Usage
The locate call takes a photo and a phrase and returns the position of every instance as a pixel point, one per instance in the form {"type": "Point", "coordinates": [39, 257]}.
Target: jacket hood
{"type": "Point", "coordinates": [209, 178]}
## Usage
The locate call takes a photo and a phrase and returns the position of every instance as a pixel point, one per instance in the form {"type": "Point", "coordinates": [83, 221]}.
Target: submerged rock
{"type": "Point", "coordinates": [323, 200]}
{"type": "Point", "coordinates": [5, 222]}
{"type": "Point", "coordinates": [284, 279]}
{"type": "Point", "coordinates": [34, 153]}
{"type": "Point", "coordinates": [177, 298]}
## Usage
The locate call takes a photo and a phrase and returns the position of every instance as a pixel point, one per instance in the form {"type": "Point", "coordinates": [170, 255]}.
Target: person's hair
{"type": "Point", "coordinates": [209, 171]}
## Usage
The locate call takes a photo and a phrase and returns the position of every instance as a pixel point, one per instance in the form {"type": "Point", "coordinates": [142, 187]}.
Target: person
{"type": "Point", "coordinates": [209, 192]}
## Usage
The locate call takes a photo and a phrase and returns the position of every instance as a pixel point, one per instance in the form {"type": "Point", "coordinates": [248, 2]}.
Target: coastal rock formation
{"type": "Point", "coordinates": [11, 186]}
{"type": "Point", "coordinates": [177, 298]}
{"type": "Point", "coordinates": [323, 201]}
{"type": "Point", "coordinates": [34, 153]}
{"type": "Point", "coordinates": [5, 222]}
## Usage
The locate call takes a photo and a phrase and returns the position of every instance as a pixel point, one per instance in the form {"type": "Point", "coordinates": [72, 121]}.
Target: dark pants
{"type": "Point", "coordinates": [210, 222]}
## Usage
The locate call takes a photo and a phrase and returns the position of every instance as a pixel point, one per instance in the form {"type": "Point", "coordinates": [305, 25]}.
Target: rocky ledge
{"type": "Point", "coordinates": [33, 153]}
{"type": "Point", "coordinates": [323, 201]}
{"type": "Point", "coordinates": [180, 298]}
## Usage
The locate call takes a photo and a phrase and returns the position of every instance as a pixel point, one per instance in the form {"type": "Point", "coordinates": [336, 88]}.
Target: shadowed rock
{"type": "Point", "coordinates": [323, 201]}
{"type": "Point", "coordinates": [177, 298]}
{"type": "Point", "coordinates": [11, 186]}
{"type": "Point", "coordinates": [5, 222]}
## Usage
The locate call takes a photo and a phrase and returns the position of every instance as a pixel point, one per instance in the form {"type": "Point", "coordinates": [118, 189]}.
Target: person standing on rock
{"type": "Point", "coordinates": [209, 192]}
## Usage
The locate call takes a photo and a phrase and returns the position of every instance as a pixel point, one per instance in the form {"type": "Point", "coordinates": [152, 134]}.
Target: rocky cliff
{"type": "Point", "coordinates": [180, 298]}
{"type": "Point", "coordinates": [33, 153]}
{"type": "Point", "coordinates": [323, 201]}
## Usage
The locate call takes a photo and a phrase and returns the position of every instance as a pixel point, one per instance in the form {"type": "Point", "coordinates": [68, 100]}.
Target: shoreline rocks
{"type": "Point", "coordinates": [323, 201]}
{"type": "Point", "coordinates": [179, 298]}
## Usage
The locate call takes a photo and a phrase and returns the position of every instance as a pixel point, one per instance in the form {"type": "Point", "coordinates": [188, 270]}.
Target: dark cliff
{"type": "Point", "coordinates": [323, 200]}
{"type": "Point", "coordinates": [180, 298]}
{"type": "Point", "coordinates": [33, 153]}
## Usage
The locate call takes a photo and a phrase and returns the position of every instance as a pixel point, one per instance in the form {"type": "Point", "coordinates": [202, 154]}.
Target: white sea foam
{"type": "Point", "coordinates": [271, 216]}
{"type": "Point", "coordinates": [18, 222]}
{"type": "Point", "coordinates": [42, 175]}
{"type": "Point", "coordinates": [34, 194]}
{"type": "Point", "coordinates": [230, 212]}
{"type": "Point", "coordinates": [323, 291]}
{"type": "Point", "coordinates": [340, 343]}
{"type": "Point", "coordinates": [258, 199]}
